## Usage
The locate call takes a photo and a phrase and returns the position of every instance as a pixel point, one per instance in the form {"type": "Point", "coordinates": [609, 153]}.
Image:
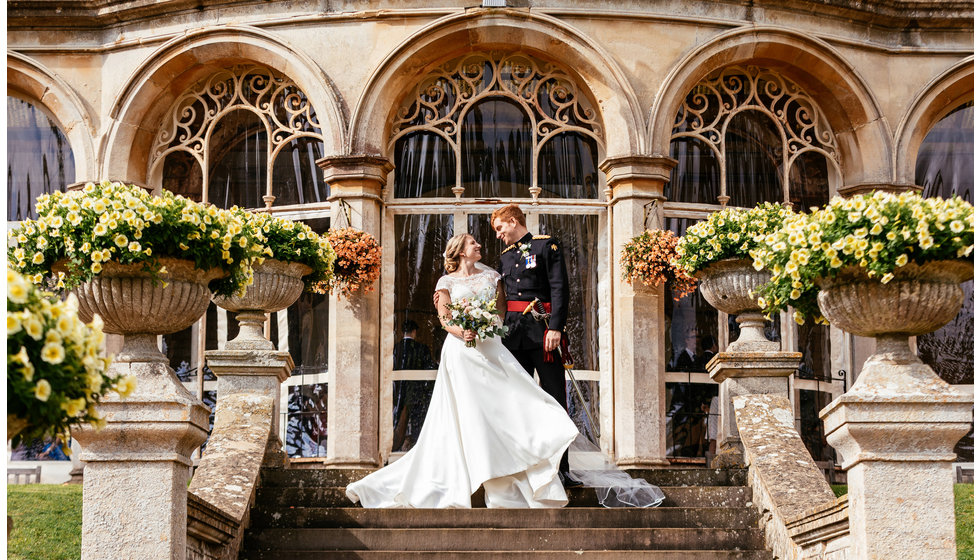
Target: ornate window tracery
{"type": "Point", "coordinates": [510, 108]}
{"type": "Point", "coordinates": [255, 112]}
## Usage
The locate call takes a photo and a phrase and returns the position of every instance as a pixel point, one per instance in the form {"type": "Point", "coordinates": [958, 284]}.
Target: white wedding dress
{"type": "Point", "coordinates": [488, 423]}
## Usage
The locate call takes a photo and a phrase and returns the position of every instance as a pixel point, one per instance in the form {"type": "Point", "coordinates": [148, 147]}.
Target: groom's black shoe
{"type": "Point", "coordinates": [568, 482]}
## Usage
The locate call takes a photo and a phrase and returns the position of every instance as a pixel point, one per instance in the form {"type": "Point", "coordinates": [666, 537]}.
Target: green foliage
{"type": "Point", "coordinates": [730, 234]}
{"type": "Point", "coordinates": [290, 241]}
{"type": "Point", "coordinates": [47, 522]}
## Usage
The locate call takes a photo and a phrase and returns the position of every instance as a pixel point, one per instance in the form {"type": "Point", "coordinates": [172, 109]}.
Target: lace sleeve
{"type": "Point", "coordinates": [444, 283]}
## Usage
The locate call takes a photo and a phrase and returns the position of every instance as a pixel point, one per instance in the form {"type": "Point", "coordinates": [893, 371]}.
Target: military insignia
{"type": "Point", "coordinates": [530, 261]}
{"type": "Point", "coordinates": [554, 247]}
{"type": "Point", "coordinates": [542, 237]}
{"type": "Point", "coordinates": [509, 247]}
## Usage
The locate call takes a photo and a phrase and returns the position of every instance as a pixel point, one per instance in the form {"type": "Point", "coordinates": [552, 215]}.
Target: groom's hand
{"type": "Point", "coordinates": [551, 340]}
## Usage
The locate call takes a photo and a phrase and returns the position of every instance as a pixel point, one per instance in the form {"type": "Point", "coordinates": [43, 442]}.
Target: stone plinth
{"type": "Point", "coordinates": [746, 373]}
{"type": "Point", "coordinates": [635, 186]}
{"type": "Point", "coordinates": [354, 346]}
{"type": "Point", "coordinates": [895, 430]}
{"type": "Point", "coordinates": [137, 467]}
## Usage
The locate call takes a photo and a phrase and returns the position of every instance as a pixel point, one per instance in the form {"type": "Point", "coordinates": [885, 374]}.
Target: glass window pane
{"type": "Point", "coordinates": [692, 324]}
{"type": "Point", "coordinates": [568, 167]}
{"type": "Point", "coordinates": [420, 241]}
{"type": "Point", "coordinates": [39, 158]}
{"type": "Point", "coordinates": [753, 159]}
{"type": "Point", "coordinates": [696, 177]}
{"type": "Point", "coordinates": [425, 166]}
{"type": "Point", "coordinates": [578, 235]}
{"type": "Point", "coordinates": [811, 426]}
{"type": "Point", "coordinates": [496, 143]}
{"type": "Point", "coordinates": [306, 421]}
{"type": "Point", "coordinates": [410, 404]}
{"type": "Point", "coordinates": [687, 418]}
{"type": "Point", "coordinates": [578, 413]}
{"type": "Point", "coordinates": [295, 177]}
{"type": "Point", "coordinates": [814, 344]}
{"type": "Point", "coordinates": [808, 182]}
{"type": "Point", "coordinates": [306, 325]}
{"type": "Point", "coordinates": [239, 161]}
{"type": "Point", "coordinates": [182, 175]}
{"type": "Point", "coordinates": [478, 225]}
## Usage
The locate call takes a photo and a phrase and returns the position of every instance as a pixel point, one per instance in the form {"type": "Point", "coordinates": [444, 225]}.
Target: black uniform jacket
{"type": "Point", "coordinates": [540, 274]}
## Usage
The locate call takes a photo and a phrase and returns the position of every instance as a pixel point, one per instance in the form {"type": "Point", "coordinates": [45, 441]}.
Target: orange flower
{"type": "Point", "coordinates": [358, 263]}
{"type": "Point", "coordinates": [648, 258]}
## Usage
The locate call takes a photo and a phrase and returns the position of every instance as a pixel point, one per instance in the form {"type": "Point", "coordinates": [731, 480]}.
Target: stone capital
{"type": "Point", "coordinates": [349, 174]}
{"type": "Point", "coordinates": [637, 176]}
{"type": "Point", "coordinates": [733, 365]}
{"type": "Point", "coordinates": [863, 188]}
{"type": "Point", "coordinates": [250, 363]}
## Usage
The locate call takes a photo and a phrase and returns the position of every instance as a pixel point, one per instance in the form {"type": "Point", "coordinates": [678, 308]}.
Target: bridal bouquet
{"type": "Point", "coordinates": [477, 315]}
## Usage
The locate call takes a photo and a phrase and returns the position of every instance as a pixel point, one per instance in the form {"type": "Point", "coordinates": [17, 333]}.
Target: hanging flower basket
{"type": "Point", "coordinates": [648, 260]}
{"type": "Point", "coordinates": [358, 263]}
{"type": "Point", "coordinates": [55, 375]}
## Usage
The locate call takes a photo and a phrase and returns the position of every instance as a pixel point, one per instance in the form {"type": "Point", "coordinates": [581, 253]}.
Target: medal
{"type": "Point", "coordinates": [530, 261]}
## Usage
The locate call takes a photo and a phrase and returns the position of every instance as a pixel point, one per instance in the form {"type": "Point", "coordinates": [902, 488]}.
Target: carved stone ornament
{"type": "Point", "coordinates": [729, 286]}
{"type": "Point", "coordinates": [275, 286]}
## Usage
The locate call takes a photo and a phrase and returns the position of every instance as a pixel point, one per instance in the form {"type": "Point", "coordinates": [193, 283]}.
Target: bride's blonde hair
{"type": "Point", "coordinates": [450, 258]}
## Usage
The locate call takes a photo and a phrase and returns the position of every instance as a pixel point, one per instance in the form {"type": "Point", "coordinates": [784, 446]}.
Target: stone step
{"type": "Point", "coordinates": [509, 555]}
{"type": "Point", "coordinates": [354, 517]}
{"type": "Point", "coordinates": [302, 478]}
{"type": "Point", "coordinates": [444, 539]}
{"type": "Point", "coordinates": [676, 496]}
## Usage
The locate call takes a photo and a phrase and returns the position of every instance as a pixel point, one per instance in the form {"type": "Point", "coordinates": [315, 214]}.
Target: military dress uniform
{"type": "Point", "coordinates": [534, 268]}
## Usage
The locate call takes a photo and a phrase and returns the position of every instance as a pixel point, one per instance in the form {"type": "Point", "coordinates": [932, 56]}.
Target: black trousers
{"type": "Point", "coordinates": [552, 376]}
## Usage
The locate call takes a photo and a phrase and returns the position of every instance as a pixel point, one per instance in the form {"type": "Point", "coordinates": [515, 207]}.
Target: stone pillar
{"type": "Point", "coordinates": [639, 369]}
{"type": "Point", "coordinates": [354, 324]}
{"type": "Point", "coordinates": [895, 430]}
{"type": "Point", "coordinates": [746, 373]}
{"type": "Point", "coordinates": [137, 467]}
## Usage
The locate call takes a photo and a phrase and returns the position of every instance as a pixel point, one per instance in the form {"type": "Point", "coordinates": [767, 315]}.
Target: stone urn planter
{"type": "Point", "coordinates": [729, 286]}
{"type": "Point", "coordinates": [276, 285]}
{"type": "Point", "coordinates": [919, 300]}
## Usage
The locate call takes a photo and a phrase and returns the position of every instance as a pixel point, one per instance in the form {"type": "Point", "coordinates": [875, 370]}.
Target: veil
{"type": "Point", "coordinates": [613, 487]}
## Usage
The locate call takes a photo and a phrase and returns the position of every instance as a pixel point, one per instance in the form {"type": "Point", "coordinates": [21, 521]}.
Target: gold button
{"type": "Point", "coordinates": [518, 279]}
{"type": "Point", "coordinates": [516, 265]}
{"type": "Point", "coordinates": [519, 293]}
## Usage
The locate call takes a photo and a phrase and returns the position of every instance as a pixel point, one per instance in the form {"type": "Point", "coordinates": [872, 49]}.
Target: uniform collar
{"type": "Point", "coordinates": [526, 239]}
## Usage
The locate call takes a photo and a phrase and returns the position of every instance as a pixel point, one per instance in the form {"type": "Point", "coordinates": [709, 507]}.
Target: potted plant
{"type": "Point", "coordinates": [648, 260]}
{"type": "Point", "coordinates": [146, 264]}
{"type": "Point", "coordinates": [717, 252]}
{"type": "Point", "coordinates": [358, 263]}
{"type": "Point", "coordinates": [294, 258]}
{"type": "Point", "coordinates": [880, 265]}
{"type": "Point", "coordinates": [55, 373]}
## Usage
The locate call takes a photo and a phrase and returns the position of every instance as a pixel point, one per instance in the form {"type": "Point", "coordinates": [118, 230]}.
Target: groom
{"type": "Point", "coordinates": [532, 267]}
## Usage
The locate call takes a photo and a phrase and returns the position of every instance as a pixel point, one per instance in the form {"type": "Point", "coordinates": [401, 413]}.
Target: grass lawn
{"type": "Point", "coordinates": [48, 521]}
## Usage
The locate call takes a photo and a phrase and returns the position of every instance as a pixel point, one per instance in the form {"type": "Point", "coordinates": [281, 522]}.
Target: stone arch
{"type": "Point", "coordinates": [614, 98]}
{"type": "Point", "coordinates": [947, 91]}
{"type": "Point", "coordinates": [184, 61]}
{"type": "Point", "coordinates": [34, 82]}
{"type": "Point", "coordinates": [852, 110]}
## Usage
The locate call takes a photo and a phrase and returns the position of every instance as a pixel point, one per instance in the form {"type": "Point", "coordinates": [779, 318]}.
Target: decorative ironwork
{"type": "Point", "coordinates": [712, 105]}
{"type": "Point", "coordinates": [546, 93]}
{"type": "Point", "coordinates": [278, 102]}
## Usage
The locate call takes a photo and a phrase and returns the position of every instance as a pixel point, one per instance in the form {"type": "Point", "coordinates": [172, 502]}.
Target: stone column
{"type": "Point", "coordinates": [639, 369]}
{"type": "Point", "coordinates": [739, 373]}
{"type": "Point", "coordinates": [354, 324]}
{"type": "Point", "coordinates": [137, 467]}
{"type": "Point", "coordinates": [895, 430]}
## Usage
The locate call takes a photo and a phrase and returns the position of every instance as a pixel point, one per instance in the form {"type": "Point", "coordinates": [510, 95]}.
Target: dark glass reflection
{"type": "Point", "coordinates": [811, 426]}
{"type": "Point", "coordinates": [306, 421]}
{"type": "Point", "coordinates": [478, 225]}
{"type": "Point", "coordinates": [307, 324]}
{"type": "Point", "coordinates": [579, 236]}
{"type": "Point", "coordinates": [568, 167]}
{"type": "Point", "coordinates": [814, 344]}
{"type": "Point", "coordinates": [579, 412]}
{"type": "Point", "coordinates": [295, 177]}
{"type": "Point", "coordinates": [425, 166]}
{"type": "Point", "coordinates": [496, 143]}
{"type": "Point", "coordinates": [753, 160]}
{"type": "Point", "coordinates": [239, 161]}
{"type": "Point", "coordinates": [688, 414]}
{"type": "Point", "coordinates": [420, 240]}
{"type": "Point", "coordinates": [809, 182]}
{"type": "Point", "coordinates": [691, 334]}
{"type": "Point", "coordinates": [696, 177]}
{"type": "Point", "coordinates": [39, 158]}
{"type": "Point", "coordinates": [182, 175]}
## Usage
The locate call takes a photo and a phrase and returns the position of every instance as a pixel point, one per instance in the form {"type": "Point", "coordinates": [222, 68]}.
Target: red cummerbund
{"type": "Point", "coordinates": [520, 306]}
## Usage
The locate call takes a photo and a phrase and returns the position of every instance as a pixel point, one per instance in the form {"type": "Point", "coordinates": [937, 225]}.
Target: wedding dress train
{"type": "Point", "coordinates": [488, 424]}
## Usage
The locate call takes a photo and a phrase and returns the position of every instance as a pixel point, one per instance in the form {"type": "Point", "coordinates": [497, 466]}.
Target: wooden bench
{"type": "Point", "coordinates": [26, 473]}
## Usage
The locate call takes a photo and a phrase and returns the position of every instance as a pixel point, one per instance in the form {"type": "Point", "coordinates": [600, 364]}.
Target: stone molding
{"type": "Point", "coordinates": [637, 176]}
{"type": "Point", "coordinates": [786, 483]}
{"type": "Point", "coordinates": [822, 531]}
{"type": "Point", "coordinates": [864, 188]}
{"type": "Point", "coordinates": [739, 365]}
{"type": "Point", "coordinates": [368, 170]}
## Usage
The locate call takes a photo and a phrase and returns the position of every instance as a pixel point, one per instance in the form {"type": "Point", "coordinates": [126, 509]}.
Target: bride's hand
{"type": "Point", "coordinates": [468, 335]}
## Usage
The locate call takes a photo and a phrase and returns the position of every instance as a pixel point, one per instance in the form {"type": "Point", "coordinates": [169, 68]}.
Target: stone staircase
{"type": "Point", "coordinates": [304, 514]}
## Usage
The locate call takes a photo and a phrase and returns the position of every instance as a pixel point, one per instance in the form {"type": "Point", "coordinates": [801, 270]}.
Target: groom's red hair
{"type": "Point", "coordinates": [508, 212]}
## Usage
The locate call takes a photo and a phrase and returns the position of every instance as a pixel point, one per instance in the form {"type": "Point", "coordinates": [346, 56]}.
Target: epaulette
{"type": "Point", "coordinates": [542, 237]}
{"type": "Point", "coordinates": [508, 248]}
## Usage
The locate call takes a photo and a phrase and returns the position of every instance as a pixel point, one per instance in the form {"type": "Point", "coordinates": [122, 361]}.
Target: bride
{"type": "Point", "coordinates": [488, 422]}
